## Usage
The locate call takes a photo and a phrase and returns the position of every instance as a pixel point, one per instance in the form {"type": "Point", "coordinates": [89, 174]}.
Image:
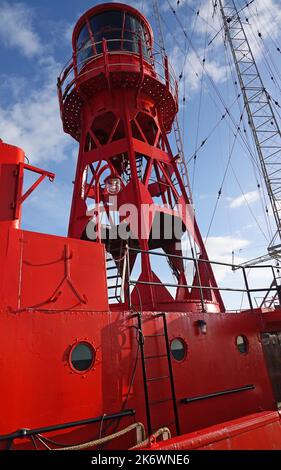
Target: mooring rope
{"type": "Point", "coordinates": [105, 439]}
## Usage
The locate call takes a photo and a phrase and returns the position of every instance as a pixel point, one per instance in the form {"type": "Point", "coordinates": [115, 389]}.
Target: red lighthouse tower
{"type": "Point", "coordinates": [119, 98]}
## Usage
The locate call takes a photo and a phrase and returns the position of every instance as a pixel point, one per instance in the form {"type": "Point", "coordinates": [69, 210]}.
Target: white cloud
{"type": "Point", "coordinates": [245, 199]}
{"type": "Point", "coordinates": [47, 209]}
{"type": "Point", "coordinates": [192, 68]}
{"type": "Point", "coordinates": [68, 30]}
{"type": "Point", "coordinates": [265, 16]}
{"type": "Point", "coordinates": [33, 121]}
{"type": "Point", "coordinates": [16, 29]}
{"type": "Point", "coordinates": [220, 249]}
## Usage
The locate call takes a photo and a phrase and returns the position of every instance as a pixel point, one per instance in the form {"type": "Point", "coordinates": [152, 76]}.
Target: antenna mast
{"type": "Point", "coordinates": [261, 117]}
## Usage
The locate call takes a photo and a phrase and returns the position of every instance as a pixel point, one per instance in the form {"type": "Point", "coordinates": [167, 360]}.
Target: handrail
{"type": "Point", "coordinates": [221, 393]}
{"type": "Point", "coordinates": [202, 288]}
{"type": "Point", "coordinates": [23, 433]}
{"type": "Point", "coordinates": [189, 258]}
{"type": "Point", "coordinates": [70, 70]}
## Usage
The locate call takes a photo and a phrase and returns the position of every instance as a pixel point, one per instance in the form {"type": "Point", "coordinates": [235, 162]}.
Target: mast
{"type": "Point", "coordinates": [261, 117]}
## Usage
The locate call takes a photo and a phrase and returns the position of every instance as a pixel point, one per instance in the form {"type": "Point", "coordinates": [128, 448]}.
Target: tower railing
{"type": "Point", "coordinates": [156, 66]}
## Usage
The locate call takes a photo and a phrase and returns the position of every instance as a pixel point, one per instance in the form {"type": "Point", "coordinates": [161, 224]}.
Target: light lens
{"type": "Point", "coordinates": [113, 185]}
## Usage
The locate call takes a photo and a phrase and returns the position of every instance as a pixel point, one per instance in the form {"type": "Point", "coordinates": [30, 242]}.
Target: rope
{"type": "Point", "coordinates": [105, 439]}
{"type": "Point", "coordinates": [147, 441]}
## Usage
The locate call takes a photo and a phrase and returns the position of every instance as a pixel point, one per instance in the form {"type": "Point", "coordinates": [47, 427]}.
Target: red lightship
{"type": "Point", "coordinates": [93, 354]}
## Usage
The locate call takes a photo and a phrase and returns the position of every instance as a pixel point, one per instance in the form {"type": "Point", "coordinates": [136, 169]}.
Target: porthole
{"type": "Point", "coordinates": [82, 357]}
{"type": "Point", "coordinates": [242, 344]}
{"type": "Point", "coordinates": [178, 349]}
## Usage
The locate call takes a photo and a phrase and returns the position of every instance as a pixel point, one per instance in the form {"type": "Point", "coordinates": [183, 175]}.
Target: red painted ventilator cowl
{"type": "Point", "coordinates": [113, 48]}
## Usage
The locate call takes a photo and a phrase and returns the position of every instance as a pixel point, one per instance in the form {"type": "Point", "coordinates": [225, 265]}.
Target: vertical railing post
{"type": "Point", "coordinates": [105, 61]}
{"type": "Point", "coordinates": [128, 277]}
{"type": "Point", "coordinates": [247, 288]}
{"type": "Point", "coordinates": [195, 260]}
{"type": "Point", "coordinates": [141, 68]}
{"type": "Point", "coordinates": [74, 59]}
{"type": "Point", "coordinates": [167, 74]}
{"type": "Point", "coordinates": [278, 287]}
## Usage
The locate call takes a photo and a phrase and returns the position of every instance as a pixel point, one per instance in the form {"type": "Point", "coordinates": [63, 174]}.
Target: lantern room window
{"type": "Point", "coordinates": [84, 46]}
{"type": "Point", "coordinates": [121, 30]}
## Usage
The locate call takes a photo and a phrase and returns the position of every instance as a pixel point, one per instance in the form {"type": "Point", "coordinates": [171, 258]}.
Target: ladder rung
{"type": "Point", "coordinates": [114, 277]}
{"type": "Point", "coordinates": [109, 268]}
{"type": "Point", "coordinates": [154, 379]}
{"type": "Point", "coordinates": [152, 336]}
{"type": "Point", "coordinates": [156, 357]}
{"type": "Point", "coordinates": [114, 287]}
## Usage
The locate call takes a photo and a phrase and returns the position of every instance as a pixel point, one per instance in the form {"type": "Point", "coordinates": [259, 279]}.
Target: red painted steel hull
{"type": "Point", "coordinates": [255, 432]}
{"type": "Point", "coordinates": [39, 388]}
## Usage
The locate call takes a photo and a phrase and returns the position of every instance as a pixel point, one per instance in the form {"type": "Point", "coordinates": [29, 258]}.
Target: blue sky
{"type": "Point", "coordinates": [35, 39]}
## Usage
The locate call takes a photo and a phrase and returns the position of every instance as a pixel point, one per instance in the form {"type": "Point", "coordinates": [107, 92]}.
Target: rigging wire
{"type": "Point", "coordinates": [221, 185]}
{"type": "Point", "coordinates": [255, 165]}
{"type": "Point", "coordinates": [275, 104]}
{"type": "Point", "coordinates": [263, 48]}
{"type": "Point", "coordinates": [200, 105]}
{"type": "Point", "coordinates": [197, 13]}
{"type": "Point", "coordinates": [237, 127]}
{"type": "Point", "coordinates": [218, 93]}
{"type": "Point", "coordinates": [222, 27]}
{"type": "Point", "coordinates": [214, 128]}
{"type": "Point", "coordinates": [182, 74]}
{"type": "Point", "coordinates": [247, 203]}
{"type": "Point", "coordinates": [267, 30]}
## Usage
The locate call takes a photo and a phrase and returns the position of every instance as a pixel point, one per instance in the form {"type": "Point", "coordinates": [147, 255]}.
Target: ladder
{"type": "Point", "coordinates": [114, 280]}
{"type": "Point", "coordinates": [139, 166]}
{"type": "Point", "coordinates": [182, 163]}
{"type": "Point", "coordinates": [149, 382]}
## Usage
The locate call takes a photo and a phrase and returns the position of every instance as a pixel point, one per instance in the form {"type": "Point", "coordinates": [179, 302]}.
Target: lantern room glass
{"type": "Point", "coordinates": [121, 29]}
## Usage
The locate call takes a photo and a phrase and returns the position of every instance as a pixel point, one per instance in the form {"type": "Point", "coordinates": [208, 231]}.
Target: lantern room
{"type": "Point", "coordinates": [120, 25]}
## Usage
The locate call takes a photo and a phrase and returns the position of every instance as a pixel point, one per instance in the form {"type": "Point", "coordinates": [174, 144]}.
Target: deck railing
{"type": "Point", "coordinates": [126, 281]}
